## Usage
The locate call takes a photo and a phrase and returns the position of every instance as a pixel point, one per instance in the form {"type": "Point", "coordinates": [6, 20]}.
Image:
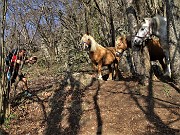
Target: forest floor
{"type": "Point", "coordinates": [78, 104]}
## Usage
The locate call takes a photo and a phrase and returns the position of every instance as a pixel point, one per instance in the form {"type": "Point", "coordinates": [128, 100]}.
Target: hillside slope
{"type": "Point", "coordinates": [79, 104]}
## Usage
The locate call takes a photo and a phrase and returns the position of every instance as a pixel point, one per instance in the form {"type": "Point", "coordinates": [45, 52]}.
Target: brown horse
{"type": "Point", "coordinates": [101, 56]}
{"type": "Point", "coordinates": [154, 48]}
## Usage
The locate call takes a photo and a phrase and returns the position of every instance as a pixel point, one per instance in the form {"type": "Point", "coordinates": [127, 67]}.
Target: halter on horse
{"type": "Point", "coordinates": [154, 26]}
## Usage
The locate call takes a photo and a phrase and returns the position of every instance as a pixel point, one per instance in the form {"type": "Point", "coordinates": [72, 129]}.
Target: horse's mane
{"type": "Point", "coordinates": [94, 44]}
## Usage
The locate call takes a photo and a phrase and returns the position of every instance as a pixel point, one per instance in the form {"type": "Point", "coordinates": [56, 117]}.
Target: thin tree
{"type": "Point", "coordinates": [3, 92]}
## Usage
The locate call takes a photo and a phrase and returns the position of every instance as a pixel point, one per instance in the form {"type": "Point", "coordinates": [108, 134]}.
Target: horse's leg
{"type": "Point", "coordinates": [116, 69]}
{"type": "Point", "coordinates": [94, 66]}
{"type": "Point", "coordinates": [110, 72]}
{"type": "Point", "coordinates": [163, 65]}
{"type": "Point", "coordinates": [165, 46]}
{"type": "Point", "coordinates": [153, 70]}
{"type": "Point", "coordinates": [99, 70]}
{"type": "Point", "coordinates": [167, 61]}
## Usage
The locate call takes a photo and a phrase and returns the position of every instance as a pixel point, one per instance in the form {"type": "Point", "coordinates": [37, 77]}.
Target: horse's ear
{"type": "Point", "coordinates": [87, 32]}
{"type": "Point", "coordinates": [147, 20]}
{"type": "Point", "coordinates": [143, 20]}
{"type": "Point", "coordinates": [80, 34]}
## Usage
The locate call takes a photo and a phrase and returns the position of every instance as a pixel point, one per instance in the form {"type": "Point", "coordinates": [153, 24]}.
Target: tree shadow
{"type": "Point", "coordinates": [21, 98]}
{"type": "Point", "coordinates": [98, 111]}
{"type": "Point", "coordinates": [170, 83]}
{"type": "Point", "coordinates": [75, 109]}
{"type": "Point", "coordinates": [159, 74]}
{"type": "Point", "coordinates": [57, 104]}
{"type": "Point", "coordinates": [55, 117]}
{"type": "Point", "coordinates": [152, 117]}
{"type": "Point", "coordinates": [161, 127]}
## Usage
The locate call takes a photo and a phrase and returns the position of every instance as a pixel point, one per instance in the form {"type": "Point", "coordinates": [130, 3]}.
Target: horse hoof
{"type": "Point", "coordinates": [144, 82]}
{"type": "Point", "coordinates": [167, 75]}
{"type": "Point", "coordinates": [109, 79]}
{"type": "Point", "coordinates": [116, 79]}
{"type": "Point", "coordinates": [154, 78]}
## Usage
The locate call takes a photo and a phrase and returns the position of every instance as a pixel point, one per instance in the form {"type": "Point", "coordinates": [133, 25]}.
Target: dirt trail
{"type": "Point", "coordinates": [82, 105]}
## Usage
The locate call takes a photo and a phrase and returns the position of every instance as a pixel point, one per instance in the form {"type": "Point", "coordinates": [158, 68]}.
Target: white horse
{"type": "Point", "coordinates": [156, 26]}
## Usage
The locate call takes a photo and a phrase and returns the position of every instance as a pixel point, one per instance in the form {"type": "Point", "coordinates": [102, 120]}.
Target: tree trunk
{"type": "Point", "coordinates": [173, 33]}
{"type": "Point", "coordinates": [132, 23]}
{"type": "Point", "coordinates": [141, 60]}
{"type": "Point", "coordinates": [3, 91]}
{"type": "Point", "coordinates": [112, 30]}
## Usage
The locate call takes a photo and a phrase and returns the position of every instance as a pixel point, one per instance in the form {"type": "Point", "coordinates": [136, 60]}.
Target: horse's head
{"type": "Point", "coordinates": [120, 45]}
{"type": "Point", "coordinates": [86, 42]}
{"type": "Point", "coordinates": [143, 33]}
